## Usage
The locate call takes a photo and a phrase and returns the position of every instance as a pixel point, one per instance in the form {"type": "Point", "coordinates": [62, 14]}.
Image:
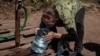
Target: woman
{"type": "Point", "coordinates": [71, 13]}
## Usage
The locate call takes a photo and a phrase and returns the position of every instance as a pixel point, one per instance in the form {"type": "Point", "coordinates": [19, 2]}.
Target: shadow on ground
{"type": "Point", "coordinates": [93, 47]}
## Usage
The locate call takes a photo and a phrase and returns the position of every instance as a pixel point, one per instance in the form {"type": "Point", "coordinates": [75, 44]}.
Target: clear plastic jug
{"type": "Point", "coordinates": [39, 44]}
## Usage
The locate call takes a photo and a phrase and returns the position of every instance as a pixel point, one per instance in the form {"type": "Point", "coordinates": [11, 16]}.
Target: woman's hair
{"type": "Point", "coordinates": [50, 11]}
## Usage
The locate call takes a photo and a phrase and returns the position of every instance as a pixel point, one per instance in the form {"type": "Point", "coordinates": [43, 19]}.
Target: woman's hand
{"type": "Point", "coordinates": [36, 30]}
{"type": "Point", "coordinates": [49, 36]}
{"type": "Point", "coordinates": [52, 35]}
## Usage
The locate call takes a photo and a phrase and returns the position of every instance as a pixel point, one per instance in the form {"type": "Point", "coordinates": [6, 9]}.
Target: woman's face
{"type": "Point", "coordinates": [49, 21]}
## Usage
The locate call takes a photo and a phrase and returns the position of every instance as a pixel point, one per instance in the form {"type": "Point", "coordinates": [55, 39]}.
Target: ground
{"type": "Point", "coordinates": [91, 43]}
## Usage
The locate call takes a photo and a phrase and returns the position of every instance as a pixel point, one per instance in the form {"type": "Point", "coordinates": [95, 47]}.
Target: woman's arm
{"type": "Point", "coordinates": [71, 36]}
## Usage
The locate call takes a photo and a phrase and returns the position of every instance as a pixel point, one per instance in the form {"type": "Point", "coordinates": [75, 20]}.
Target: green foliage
{"type": "Point", "coordinates": [36, 5]}
{"type": "Point", "coordinates": [39, 4]}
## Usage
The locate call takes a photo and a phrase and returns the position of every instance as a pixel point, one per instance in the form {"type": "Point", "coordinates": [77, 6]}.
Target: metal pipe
{"type": "Point", "coordinates": [17, 25]}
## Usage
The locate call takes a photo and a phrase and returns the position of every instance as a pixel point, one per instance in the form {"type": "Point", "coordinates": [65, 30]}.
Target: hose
{"type": "Point", "coordinates": [21, 28]}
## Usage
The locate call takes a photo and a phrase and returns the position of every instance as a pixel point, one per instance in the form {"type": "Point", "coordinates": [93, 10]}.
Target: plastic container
{"type": "Point", "coordinates": [39, 44]}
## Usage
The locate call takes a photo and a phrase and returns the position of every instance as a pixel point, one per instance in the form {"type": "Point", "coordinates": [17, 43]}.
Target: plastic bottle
{"type": "Point", "coordinates": [39, 44]}
{"type": "Point", "coordinates": [64, 51]}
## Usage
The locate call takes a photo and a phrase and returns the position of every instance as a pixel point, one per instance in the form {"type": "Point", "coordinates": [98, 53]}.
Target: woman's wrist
{"type": "Point", "coordinates": [57, 35]}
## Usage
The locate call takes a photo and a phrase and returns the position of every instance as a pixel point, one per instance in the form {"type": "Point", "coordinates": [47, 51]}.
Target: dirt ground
{"type": "Point", "coordinates": [91, 41]}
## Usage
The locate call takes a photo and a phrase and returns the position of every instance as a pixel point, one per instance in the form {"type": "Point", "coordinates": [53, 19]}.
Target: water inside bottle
{"type": "Point", "coordinates": [39, 44]}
